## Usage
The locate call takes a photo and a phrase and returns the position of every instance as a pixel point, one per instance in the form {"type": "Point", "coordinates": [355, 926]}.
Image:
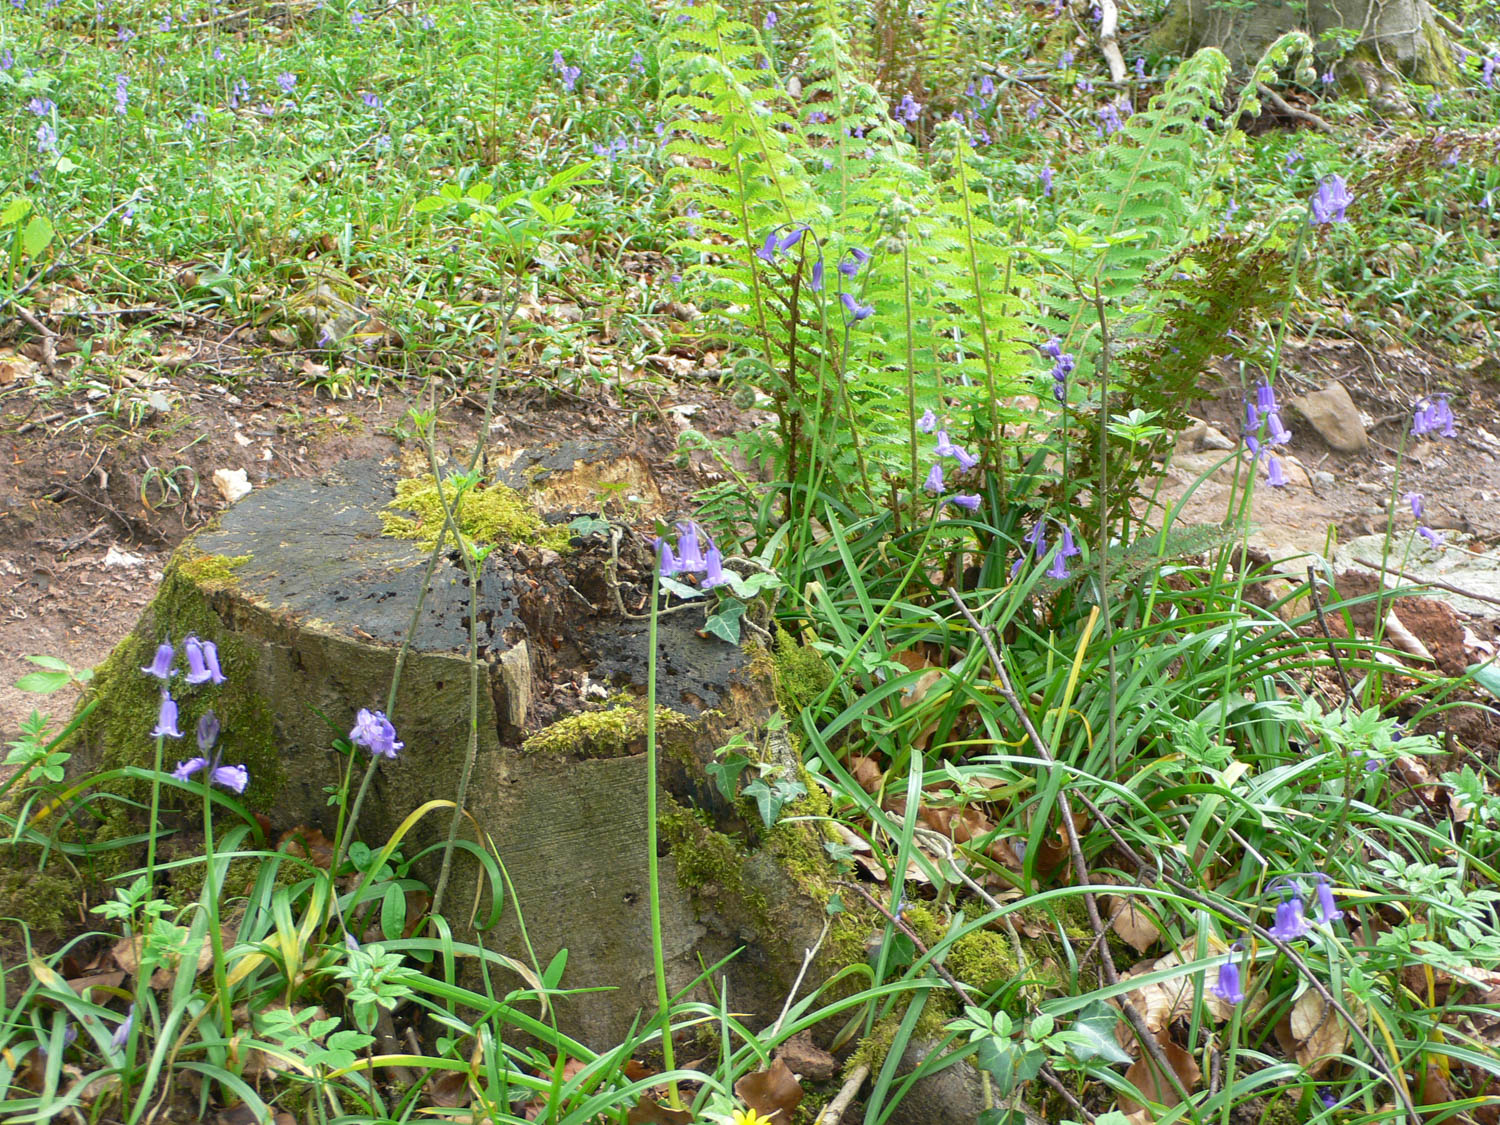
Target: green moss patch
{"type": "Point", "coordinates": [801, 674]}
{"type": "Point", "coordinates": [212, 571]}
{"type": "Point", "coordinates": [495, 514]}
{"type": "Point", "coordinates": [615, 732]}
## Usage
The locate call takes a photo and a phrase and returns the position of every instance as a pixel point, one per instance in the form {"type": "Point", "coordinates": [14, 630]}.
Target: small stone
{"type": "Point", "coordinates": [233, 484]}
{"type": "Point", "coordinates": [1323, 478]}
{"type": "Point", "coordinates": [1332, 413]}
{"type": "Point", "coordinates": [1212, 438]}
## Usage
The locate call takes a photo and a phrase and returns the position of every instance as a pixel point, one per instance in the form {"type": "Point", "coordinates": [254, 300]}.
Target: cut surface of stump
{"type": "Point", "coordinates": [309, 601]}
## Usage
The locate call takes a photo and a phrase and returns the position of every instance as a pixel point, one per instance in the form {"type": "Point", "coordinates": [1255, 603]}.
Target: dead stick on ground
{"type": "Point", "coordinates": [1109, 39]}
{"type": "Point", "coordinates": [1148, 1039]}
{"type": "Point", "coordinates": [1333, 649]}
{"type": "Point", "coordinates": [1282, 106]}
{"type": "Point", "coordinates": [833, 1112]}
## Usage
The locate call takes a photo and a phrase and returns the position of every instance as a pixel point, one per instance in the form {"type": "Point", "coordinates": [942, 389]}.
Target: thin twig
{"type": "Point", "coordinates": [1286, 109]}
{"type": "Point", "coordinates": [1148, 1039]}
{"type": "Point", "coordinates": [833, 1112]}
{"type": "Point", "coordinates": [1333, 649]}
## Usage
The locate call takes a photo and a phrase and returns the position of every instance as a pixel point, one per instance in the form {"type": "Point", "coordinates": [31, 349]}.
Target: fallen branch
{"type": "Point", "coordinates": [1109, 39]}
{"type": "Point", "coordinates": [1286, 109]}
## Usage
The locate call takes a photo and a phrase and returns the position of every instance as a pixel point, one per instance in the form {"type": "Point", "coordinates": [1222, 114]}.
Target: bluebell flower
{"type": "Point", "coordinates": [1275, 476]}
{"type": "Point", "coordinates": [1068, 548]}
{"type": "Point", "coordinates": [666, 561]}
{"type": "Point", "coordinates": [928, 422]}
{"type": "Point", "coordinates": [965, 459]}
{"type": "Point", "coordinates": [1228, 988]}
{"type": "Point", "coordinates": [767, 251]}
{"type": "Point", "coordinates": [1037, 537]}
{"type": "Point", "coordinates": [1046, 176]}
{"type": "Point", "coordinates": [208, 730]}
{"type": "Point", "coordinates": [713, 569]}
{"type": "Point", "coordinates": [1416, 502]}
{"type": "Point", "coordinates": [853, 259]}
{"type": "Point", "coordinates": [122, 1033]}
{"type": "Point", "coordinates": [1109, 119]}
{"type": "Point", "coordinates": [1433, 416]}
{"type": "Point", "coordinates": [1059, 568]}
{"type": "Point", "coordinates": [161, 665]}
{"type": "Point", "coordinates": [689, 550]}
{"type": "Point", "coordinates": [426, 22]}
{"type": "Point", "coordinates": [792, 237]}
{"type": "Point", "coordinates": [1434, 538]}
{"type": "Point", "coordinates": [770, 21]}
{"type": "Point", "coordinates": [374, 732]}
{"type": "Point", "coordinates": [7, 58]}
{"type": "Point", "coordinates": [967, 500]}
{"type": "Point", "coordinates": [1290, 923]}
{"type": "Point", "coordinates": [372, 101]}
{"type": "Point", "coordinates": [1328, 911]}
{"type": "Point", "coordinates": [122, 94]}
{"type": "Point", "coordinates": [1331, 199]}
{"type": "Point", "coordinates": [166, 718]}
{"type": "Point", "coordinates": [909, 110]}
{"type": "Point", "coordinates": [856, 311]}
{"type": "Point", "coordinates": [1034, 110]}
{"type": "Point", "coordinates": [934, 482]}
{"type": "Point", "coordinates": [233, 778]}
{"type": "Point", "coordinates": [816, 281]}
{"type": "Point", "coordinates": [218, 53]}
{"type": "Point", "coordinates": [1487, 73]}
{"type": "Point", "coordinates": [1140, 67]}
{"type": "Point", "coordinates": [198, 672]}
{"type": "Point", "coordinates": [46, 138]}
{"type": "Point", "coordinates": [287, 81]}
{"type": "Point", "coordinates": [42, 107]}
{"type": "Point", "coordinates": [1065, 60]}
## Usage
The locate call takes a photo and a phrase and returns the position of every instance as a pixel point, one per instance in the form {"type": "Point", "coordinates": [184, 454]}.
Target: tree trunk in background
{"type": "Point", "coordinates": [1394, 37]}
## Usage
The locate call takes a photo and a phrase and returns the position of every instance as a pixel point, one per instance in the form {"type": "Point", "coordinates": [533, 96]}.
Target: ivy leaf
{"type": "Point", "coordinates": [725, 624]}
{"type": "Point", "coordinates": [1094, 1035]}
{"type": "Point", "coordinates": [681, 589]}
{"type": "Point", "coordinates": [726, 774]}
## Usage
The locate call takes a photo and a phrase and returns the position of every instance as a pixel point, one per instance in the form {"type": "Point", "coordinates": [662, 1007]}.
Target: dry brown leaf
{"type": "Point", "coordinates": [1156, 1087]}
{"type": "Point", "coordinates": [1313, 1032]}
{"type": "Point", "coordinates": [648, 1112]}
{"type": "Point", "coordinates": [1132, 923]}
{"type": "Point", "coordinates": [449, 1089]}
{"type": "Point", "coordinates": [866, 772]}
{"type": "Point", "coordinates": [773, 1092]}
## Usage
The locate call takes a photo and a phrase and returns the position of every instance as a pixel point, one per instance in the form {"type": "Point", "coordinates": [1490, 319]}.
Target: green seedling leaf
{"type": "Point", "coordinates": [51, 663]}
{"type": "Point", "coordinates": [43, 683]}
{"type": "Point", "coordinates": [16, 209]}
{"type": "Point", "coordinates": [37, 236]}
{"type": "Point", "coordinates": [1487, 676]}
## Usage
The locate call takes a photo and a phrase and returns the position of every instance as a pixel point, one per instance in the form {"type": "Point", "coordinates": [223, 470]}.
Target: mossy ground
{"type": "Point", "coordinates": [801, 674]}
{"type": "Point", "coordinates": [494, 514]}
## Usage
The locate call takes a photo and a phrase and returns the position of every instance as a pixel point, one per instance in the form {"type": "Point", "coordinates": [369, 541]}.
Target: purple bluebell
{"type": "Point", "coordinates": [965, 459]}
{"type": "Point", "coordinates": [208, 730]}
{"type": "Point", "coordinates": [357, 19]}
{"type": "Point", "coordinates": [1037, 537]}
{"type": "Point", "coordinates": [1487, 73]}
{"type": "Point", "coordinates": [234, 778]}
{"type": "Point", "coordinates": [713, 569]}
{"type": "Point", "coordinates": [166, 717]}
{"type": "Point", "coordinates": [1046, 176]}
{"type": "Point", "coordinates": [856, 311]}
{"type": "Point", "coordinates": [1065, 60]}
{"type": "Point", "coordinates": [815, 283]}
{"type": "Point", "coordinates": [198, 672]}
{"type": "Point", "coordinates": [770, 21]}
{"type": "Point", "coordinates": [124, 35]}
{"type": "Point", "coordinates": [218, 53]}
{"type": "Point", "coordinates": [161, 663]}
{"type": "Point", "coordinates": [374, 732]}
{"type": "Point", "coordinates": [7, 58]}
{"type": "Point", "coordinates": [1227, 988]}
{"type": "Point", "coordinates": [1415, 499]}
{"type": "Point", "coordinates": [689, 549]}
{"type": "Point", "coordinates": [1059, 568]}
{"type": "Point", "coordinates": [1434, 538]}
{"type": "Point", "coordinates": [1328, 911]}
{"type": "Point", "coordinates": [426, 22]}
{"type": "Point", "coordinates": [1328, 79]}
{"type": "Point", "coordinates": [42, 107]}
{"type": "Point", "coordinates": [909, 110]}
{"type": "Point", "coordinates": [928, 422]}
{"type": "Point", "coordinates": [1140, 68]}
{"type": "Point", "coordinates": [1291, 159]}
{"type": "Point", "coordinates": [934, 481]}
{"type": "Point", "coordinates": [122, 94]}
{"type": "Point", "coordinates": [792, 237]}
{"type": "Point", "coordinates": [666, 561]}
{"type": "Point", "coordinates": [1034, 110]}
{"type": "Point", "coordinates": [1276, 433]}
{"type": "Point", "coordinates": [287, 81]}
{"type": "Point", "coordinates": [638, 63]}
{"type": "Point", "coordinates": [186, 770]}
{"type": "Point", "coordinates": [1433, 416]}
{"type": "Point", "coordinates": [1085, 85]}
{"type": "Point", "coordinates": [372, 101]}
{"type": "Point", "coordinates": [767, 251]}
{"type": "Point", "coordinates": [122, 1033]}
{"type": "Point", "coordinates": [966, 500]}
{"type": "Point", "coordinates": [570, 75]}
{"type": "Point", "coordinates": [1275, 475]}
{"type": "Point", "coordinates": [1329, 203]}
{"type": "Point", "coordinates": [1109, 119]}
{"type": "Point", "coordinates": [1068, 548]}
{"type": "Point", "coordinates": [46, 138]}
{"type": "Point", "coordinates": [1291, 922]}
{"type": "Point", "coordinates": [817, 117]}
{"type": "Point", "coordinates": [1433, 104]}
{"type": "Point", "coordinates": [852, 260]}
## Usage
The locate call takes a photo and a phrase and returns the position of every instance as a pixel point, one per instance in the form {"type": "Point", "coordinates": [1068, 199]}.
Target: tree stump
{"type": "Point", "coordinates": [308, 598]}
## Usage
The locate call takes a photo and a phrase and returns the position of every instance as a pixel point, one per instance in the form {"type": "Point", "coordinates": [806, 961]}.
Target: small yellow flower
{"type": "Point", "coordinates": [748, 1117]}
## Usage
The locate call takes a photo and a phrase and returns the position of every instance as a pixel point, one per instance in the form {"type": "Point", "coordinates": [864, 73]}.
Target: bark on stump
{"type": "Point", "coordinates": [309, 601]}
